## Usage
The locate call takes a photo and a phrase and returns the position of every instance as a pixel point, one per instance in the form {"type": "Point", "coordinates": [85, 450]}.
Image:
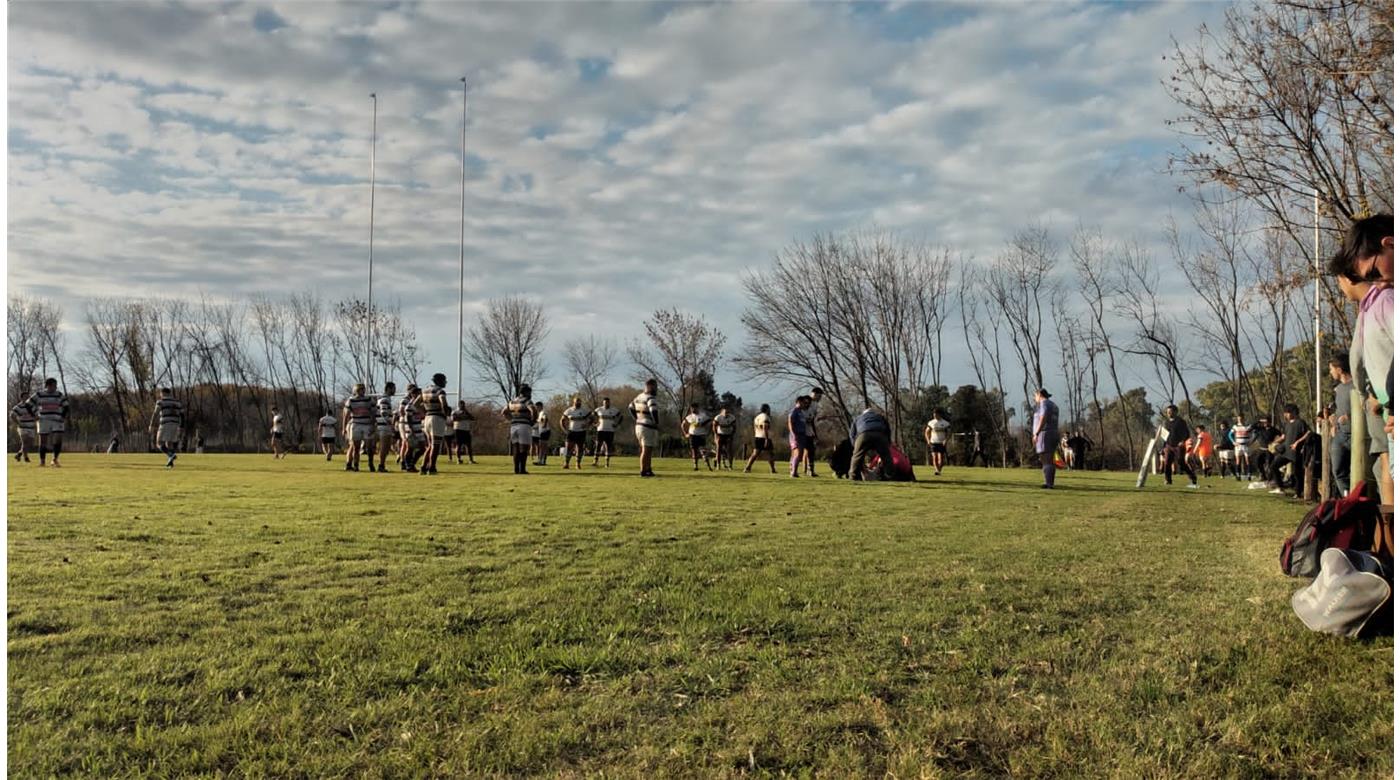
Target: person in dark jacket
{"type": "Point", "coordinates": [1178, 434]}
{"type": "Point", "coordinates": [870, 434]}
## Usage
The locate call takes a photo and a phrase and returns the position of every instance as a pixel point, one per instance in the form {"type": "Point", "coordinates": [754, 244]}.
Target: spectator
{"type": "Point", "coordinates": [1045, 431]}
{"type": "Point", "coordinates": [1288, 464]}
{"type": "Point", "coordinates": [1340, 422]}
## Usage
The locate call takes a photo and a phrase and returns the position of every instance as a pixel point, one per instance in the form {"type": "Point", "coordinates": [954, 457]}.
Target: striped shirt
{"type": "Point", "coordinates": [724, 423]}
{"type": "Point", "coordinates": [413, 416]}
{"type": "Point", "coordinates": [519, 411]}
{"type": "Point", "coordinates": [169, 411]}
{"type": "Point", "coordinates": [384, 410]}
{"type": "Point", "coordinates": [1240, 435]}
{"type": "Point", "coordinates": [644, 409]}
{"type": "Point", "coordinates": [462, 420]}
{"type": "Point", "coordinates": [23, 415]}
{"type": "Point", "coordinates": [50, 406]}
{"type": "Point", "coordinates": [434, 400]}
{"type": "Point", "coordinates": [361, 409]}
{"type": "Point", "coordinates": [607, 418]}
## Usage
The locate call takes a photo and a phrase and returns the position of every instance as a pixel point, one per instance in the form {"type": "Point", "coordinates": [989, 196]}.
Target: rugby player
{"type": "Point", "coordinates": [574, 423]}
{"type": "Point", "coordinates": [936, 434]}
{"type": "Point", "coordinates": [462, 419]}
{"type": "Point", "coordinates": [50, 406]}
{"type": "Point", "coordinates": [648, 419]}
{"type": "Point", "coordinates": [384, 425]}
{"type": "Point", "coordinates": [277, 451]}
{"type": "Point", "coordinates": [24, 426]}
{"type": "Point", "coordinates": [435, 412]}
{"type": "Point", "coordinates": [414, 439]}
{"type": "Point", "coordinates": [166, 420]}
{"type": "Point", "coordinates": [724, 424]}
{"type": "Point", "coordinates": [1239, 436]}
{"type": "Point", "coordinates": [521, 415]}
{"type": "Point", "coordinates": [693, 427]}
{"type": "Point", "coordinates": [607, 417]}
{"type": "Point", "coordinates": [357, 416]}
{"type": "Point", "coordinates": [762, 438]}
{"type": "Point", "coordinates": [543, 433]}
{"type": "Point", "coordinates": [327, 424]}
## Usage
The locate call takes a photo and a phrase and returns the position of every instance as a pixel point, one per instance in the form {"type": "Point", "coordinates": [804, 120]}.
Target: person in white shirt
{"type": "Point", "coordinates": [542, 434]}
{"type": "Point", "coordinates": [327, 425]}
{"type": "Point", "coordinates": [936, 434]}
{"type": "Point", "coordinates": [694, 427]}
{"type": "Point", "coordinates": [574, 423]}
{"type": "Point", "coordinates": [357, 420]}
{"type": "Point", "coordinates": [647, 416]}
{"type": "Point", "coordinates": [724, 424]}
{"type": "Point", "coordinates": [521, 414]}
{"type": "Point", "coordinates": [277, 451]}
{"type": "Point", "coordinates": [607, 417]}
{"type": "Point", "coordinates": [762, 438]}
{"type": "Point", "coordinates": [462, 419]}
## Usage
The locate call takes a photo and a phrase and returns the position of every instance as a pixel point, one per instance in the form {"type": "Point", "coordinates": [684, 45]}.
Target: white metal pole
{"type": "Point", "coordinates": [462, 245]}
{"type": "Point", "coordinates": [369, 297]}
{"type": "Point", "coordinates": [1317, 300]}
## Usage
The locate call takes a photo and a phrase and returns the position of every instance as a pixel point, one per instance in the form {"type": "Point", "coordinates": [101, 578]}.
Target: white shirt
{"type": "Point", "coordinates": [725, 423]}
{"type": "Point", "coordinates": [327, 427]}
{"type": "Point", "coordinates": [578, 418]}
{"type": "Point", "coordinates": [607, 418]}
{"type": "Point", "coordinates": [542, 422]}
{"type": "Point", "coordinates": [695, 423]}
{"type": "Point", "coordinates": [938, 431]}
{"type": "Point", "coordinates": [761, 425]}
{"type": "Point", "coordinates": [276, 423]}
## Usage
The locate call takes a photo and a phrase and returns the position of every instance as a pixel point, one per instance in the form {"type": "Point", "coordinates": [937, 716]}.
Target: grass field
{"type": "Point", "coordinates": [248, 617]}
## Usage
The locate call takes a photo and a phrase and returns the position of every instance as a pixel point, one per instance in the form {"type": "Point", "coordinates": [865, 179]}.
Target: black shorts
{"type": "Point", "coordinates": [762, 445]}
{"type": "Point", "coordinates": [697, 442]}
{"type": "Point", "coordinates": [577, 437]}
{"type": "Point", "coordinates": [725, 440]}
{"type": "Point", "coordinates": [276, 434]}
{"type": "Point", "coordinates": [938, 449]}
{"type": "Point", "coordinates": [328, 440]}
{"type": "Point", "coordinates": [544, 435]}
{"type": "Point", "coordinates": [605, 437]}
{"type": "Point", "coordinates": [464, 438]}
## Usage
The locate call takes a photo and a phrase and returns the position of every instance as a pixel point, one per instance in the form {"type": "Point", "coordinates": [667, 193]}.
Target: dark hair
{"type": "Point", "coordinates": [522, 389]}
{"type": "Point", "coordinates": [764, 409]}
{"type": "Point", "coordinates": [1341, 360]}
{"type": "Point", "coordinates": [802, 398]}
{"type": "Point", "coordinates": [695, 406]}
{"type": "Point", "coordinates": [440, 380]}
{"type": "Point", "coordinates": [1362, 240]}
{"type": "Point", "coordinates": [649, 383]}
{"type": "Point", "coordinates": [605, 398]}
{"type": "Point", "coordinates": [50, 381]}
{"type": "Point", "coordinates": [817, 391]}
{"type": "Point", "coordinates": [1169, 407]}
{"type": "Point", "coordinates": [390, 387]}
{"type": "Point", "coordinates": [1291, 409]}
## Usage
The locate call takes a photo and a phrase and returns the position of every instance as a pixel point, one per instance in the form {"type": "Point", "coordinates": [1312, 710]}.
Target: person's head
{"type": "Point", "coordinates": [440, 380]}
{"type": "Point", "coordinates": [166, 392]}
{"type": "Point", "coordinates": [1239, 419]}
{"type": "Point", "coordinates": [816, 394]}
{"type": "Point", "coordinates": [694, 408]}
{"type": "Point", "coordinates": [804, 401]}
{"type": "Point", "coordinates": [607, 402]}
{"type": "Point", "coordinates": [462, 405]}
{"type": "Point", "coordinates": [523, 390]}
{"type": "Point", "coordinates": [1200, 429]}
{"type": "Point", "coordinates": [1041, 394]}
{"type": "Point", "coordinates": [1265, 421]}
{"type": "Point", "coordinates": [50, 384]}
{"type": "Point", "coordinates": [1224, 424]}
{"type": "Point", "coordinates": [390, 388]}
{"type": "Point", "coordinates": [650, 386]}
{"type": "Point", "coordinates": [358, 389]}
{"type": "Point", "coordinates": [937, 414]}
{"type": "Point", "coordinates": [1171, 411]}
{"type": "Point", "coordinates": [1290, 411]}
{"type": "Point", "coordinates": [274, 409]}
{"type": "Point", "coordinates": [724, 408]}
{"type": "Point", "coordinates": [577, 402]}
{"type": "Point", "coordinates": [764, 409]}
{"type": "Point", "coordinates": [1339, 367]}
{"type": "Point", "coordinates": [413, 390]}
{"type": "Point", "coordinates": [1367, 253]}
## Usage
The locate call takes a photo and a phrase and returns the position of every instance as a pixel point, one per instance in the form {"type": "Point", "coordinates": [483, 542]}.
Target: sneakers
{"type": "Point", "coordinates": [1193, 486]}
{"type": "Point", "coordinates": [1276, 492]}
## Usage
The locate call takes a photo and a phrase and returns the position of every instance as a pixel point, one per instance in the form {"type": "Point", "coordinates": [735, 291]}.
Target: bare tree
{"type": "Point", "coordinates": [1155, 334]}
{"type": "Point", "coordinates": [679, 350]}
{"type": "Point", "coordinates": [591, 359]}
{"type": "Point", "coordinates": [506, 346]}
{"type": "Point", "coordinates": [34, 341]}
{"type": "Point", "coordinates": [1287, 97]}
{"type": "Point", "coordinates": [984, 351]}
{"type": "Point", "coordinates": [1090, 256]}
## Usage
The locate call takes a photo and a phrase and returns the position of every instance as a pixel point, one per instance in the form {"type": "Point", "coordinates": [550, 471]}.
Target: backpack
{"type": "Point", "coordinates": [1348, 522]}
{"type": "Point", "coordinates": [1350, 597]}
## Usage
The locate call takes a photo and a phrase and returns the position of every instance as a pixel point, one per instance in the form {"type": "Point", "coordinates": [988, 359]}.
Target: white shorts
{"type": "Point", "coordinates": [436, 426]}
{"type": "Point", "coordinates": [1225, 454]}
{"type": "Point", "coordinates": [49, 426]}
{"type": "Point", "coordinates": [1242, 453]}
{"type": "Point", "coordinates": [647, 437]}
{"type": "Point", "coordinates": [520, 434]}
{"type": "Point", "coordinates": [361, 432]}
{"type": "Point", "coordinates": [168, 432]}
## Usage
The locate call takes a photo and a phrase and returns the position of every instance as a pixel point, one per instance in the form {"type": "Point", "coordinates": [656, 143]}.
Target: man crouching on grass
{"type": "Point", "coordinates": [870, 434]}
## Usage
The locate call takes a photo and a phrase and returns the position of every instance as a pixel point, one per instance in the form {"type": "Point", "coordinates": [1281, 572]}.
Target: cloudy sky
{"type": "Point", "coordinates": [621, 157]}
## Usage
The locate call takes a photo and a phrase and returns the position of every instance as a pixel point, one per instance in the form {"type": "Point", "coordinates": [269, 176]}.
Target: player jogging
{"type": "Point", "coordinates": [384, 426]}
{"type": "Point", "coordinates": [607, 417]}
{"type": "Point", "coordinates": [357, 416]}
{"type": "Point", "coordinates": [936, 434]}
{"type": "Point", "coordinates": [762, 438]}
{"type": "Point", "coordinates": [462, 420]}
{"type": "Point", "coordinates": [520, 413]}
{"type": "Point", "coordinates": [693, 427]}
{"type": "Point", "coordinates": [277, 451]}
{"type": "Point", "coordinates": [166, 420]}
{"type": "Point", "coordinates": [724, 424]}
{"type": "Point", "coordinates": [648, 420]}
{"type": "Point", "coordinates": [25, 420]}
{"type": "Point", "coordinates": [327, 425]}
{"type": "Point", "coordinates": [574, 423]}
{"type": "Point", "coordinates": [50, 406]}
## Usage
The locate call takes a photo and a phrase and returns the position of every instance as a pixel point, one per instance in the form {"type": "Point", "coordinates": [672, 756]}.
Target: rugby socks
{"type": "Point", "coordinates": [57, 450]}
{"type": "Point", "coordinates": [43, 453]}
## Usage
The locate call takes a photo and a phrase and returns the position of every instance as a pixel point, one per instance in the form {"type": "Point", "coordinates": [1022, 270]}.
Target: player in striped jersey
{"type": "Point", "coordinates": [462, 420]}
{"type": "Point", "coordinates": [357, 418]}
{"type": "Point", "coordinates": [166, 420]}
{"type": "Point", "coordinates": [415, 441]}
{"type": "Point", "coordinates": [50, 405]}
{"type": "Point", "coordinates": [384, 426]}
{"type": "Point", "coordinates": [24, 426]}
{"type": "Point", "coordinates": [574, 423]}
{"type": "Point", "coordinates": [724, 424]}
{"type": "Point", "coordinates": [521, 415]}
{"type": "Point", "coordinates": [648, 421]}
{"type": "Point", "coordinates": [1239, 437]}
{"type": "Point", "coordinates": [608, 417]}
{"type": "Point", "coordinates": [433, 402]}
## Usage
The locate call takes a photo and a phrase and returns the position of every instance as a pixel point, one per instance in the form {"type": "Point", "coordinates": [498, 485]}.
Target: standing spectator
{"type": "Point", "coordinates": [1340, 421]}
{"type": "Point", "coordinates": [1174, 449]}
{"type": "Point", "coordinates": [198, 443]}
{"type": "Point", "coordinates": [277, 432]}
{"type": "Point", "coordinates": [870, 435]}
{"type": "Point", "coordinates": [114, 445]}
{"type": "Point", "coordinates": [813, 417]}
{"type": "Point", "coordinates": [1046, 432]}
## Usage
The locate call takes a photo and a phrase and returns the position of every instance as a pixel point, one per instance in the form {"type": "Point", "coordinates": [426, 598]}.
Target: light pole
{"type": "Point", "coordinates": [369, 297]}
{"type": "Point", "coordinates": [462, 245]}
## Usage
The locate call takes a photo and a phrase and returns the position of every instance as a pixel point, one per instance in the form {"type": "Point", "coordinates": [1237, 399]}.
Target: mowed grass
{"type": "Point", "coordinates": [241, 616]}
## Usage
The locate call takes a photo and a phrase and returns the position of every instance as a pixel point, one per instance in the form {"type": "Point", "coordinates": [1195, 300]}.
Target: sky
{"type": "Point", "coordinates": [620, 157]}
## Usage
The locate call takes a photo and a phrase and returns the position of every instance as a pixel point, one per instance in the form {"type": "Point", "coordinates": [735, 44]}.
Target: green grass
{"type": "Point", "coordinates": [245, 617]}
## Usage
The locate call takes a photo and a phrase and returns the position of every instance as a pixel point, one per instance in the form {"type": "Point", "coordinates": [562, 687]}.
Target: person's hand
{"type": "Point", "coordinates": [1373, 406]}
{"type": "Point", "coordinates": [1390, 427]}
